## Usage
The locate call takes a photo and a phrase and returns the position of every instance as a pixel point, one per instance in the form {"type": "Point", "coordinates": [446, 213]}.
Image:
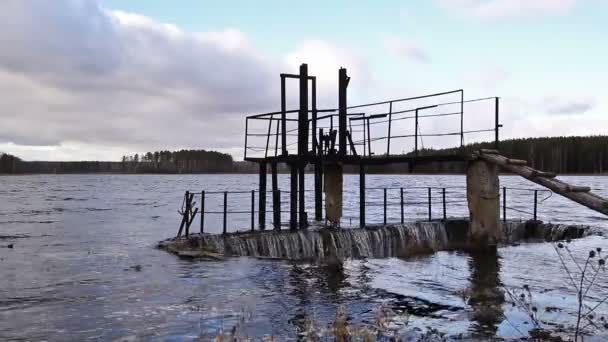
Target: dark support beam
{"type": "Point", "coordinates": [293, 198]}
{"type": "Point", "coordinates": [225, 214]}
{"type": "Point", "coordinates": [303, 113]}
{"type": "Point", "coordinates": [276, 200]}
{"type": "Point", "coordinates": [301, 198]}
{"type": "Point", "coordinates": [313, 101]}
{"type": "Point", "coordinates": [283, 119]}
{"type": "Point", "coordinates": [361, 195]}
{"type": "Point", "coordinates": [262, 197]}
{"type": "Point", "coordinates": [342, 104]}
{"type": "Point", "coordinates": [318, 192]}
{"type": "Point", "coordinates": [462, 118]}
{"type": "Point", "coordinates": [202, 211]}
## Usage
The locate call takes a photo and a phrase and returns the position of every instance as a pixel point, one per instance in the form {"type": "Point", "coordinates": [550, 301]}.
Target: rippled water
{"type": "Point", "coordinates": [83, 264]}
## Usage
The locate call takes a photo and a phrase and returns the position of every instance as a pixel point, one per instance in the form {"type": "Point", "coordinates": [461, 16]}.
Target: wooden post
{"type": "Point", "coordinates": [224, 230]}
{"type": "Point", "coordinates": [252, 210]}
{"type": "Point", "coordinates": [262, 197]}
{"type": "Point", "coordinates": [430, 205]}
{"type": "Point", "coordinates": [362, 195]}
{"type": "Point", "coordinates": [293, 198]}
{"type": "Point", "coordinates": [202, 211]}
{"type": "Point", "coordinates": [402, 212]}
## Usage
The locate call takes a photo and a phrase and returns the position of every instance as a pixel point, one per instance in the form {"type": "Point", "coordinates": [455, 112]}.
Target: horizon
{"type": "Point", "coordinates": [111, 78]}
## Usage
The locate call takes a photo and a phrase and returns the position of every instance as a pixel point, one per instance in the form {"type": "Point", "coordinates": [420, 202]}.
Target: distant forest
{"type": "Point", "coordinates": [563, 155]}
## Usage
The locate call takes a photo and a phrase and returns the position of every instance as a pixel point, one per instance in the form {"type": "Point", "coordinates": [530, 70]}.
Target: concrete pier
{"type": "Point", "coordinates": [483, 197]}
{"type": "Point", "coordinates": [333, 192]}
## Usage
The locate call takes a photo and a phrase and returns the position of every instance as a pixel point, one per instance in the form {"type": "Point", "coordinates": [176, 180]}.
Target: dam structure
{"type": "Point", "coordinates": [357, 138]}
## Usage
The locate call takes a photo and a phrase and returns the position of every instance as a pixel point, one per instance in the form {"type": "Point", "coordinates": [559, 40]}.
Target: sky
{"type": "Point", "coordinates": [95, 80]}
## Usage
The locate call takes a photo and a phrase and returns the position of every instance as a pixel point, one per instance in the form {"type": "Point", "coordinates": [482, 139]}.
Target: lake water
{"type": "Point", "coordinates": [83, 264]}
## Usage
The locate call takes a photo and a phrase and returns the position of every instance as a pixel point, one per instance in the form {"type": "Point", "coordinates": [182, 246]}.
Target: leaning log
{"type": "Point", "coordinates": [582, 195]}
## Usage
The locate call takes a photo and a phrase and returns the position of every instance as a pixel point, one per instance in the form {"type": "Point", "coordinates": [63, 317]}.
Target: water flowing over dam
{"type": "Point", "coordinates": [399, 240]}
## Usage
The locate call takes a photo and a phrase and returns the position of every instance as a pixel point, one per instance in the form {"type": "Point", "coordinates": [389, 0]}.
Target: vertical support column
{"type": "Point", "coordinates": [462, 118]}
{"type": "Point", "coordinates": [313, 101]}
{"type": "Point", "coordinates": [342, 104]}
{"type": "Point", "coordinates": [369, 138]}
{"type": "Point", "coordinates": [276, 198]}
{"type": "Point", "coordinates": [333, 179]}
{"type": "Point", "coordinates": [318, 192]}
{"type": "Point", "coordinates": [303, 113]}
{"type": "Point", "coordinates": [496, 123]}
{"type": "Point", "coordinates": [301, 198]}
{"type": "Point", "coordinates": [483, 198]}
{"type": "Point", "coordinates": [361, 195]}
{"type": "Point", "coordinates": [293, 198]}
{"type": "Point", "coordinates": [262, 198]}
{"type": "Point", "coordinates": [283, 118]}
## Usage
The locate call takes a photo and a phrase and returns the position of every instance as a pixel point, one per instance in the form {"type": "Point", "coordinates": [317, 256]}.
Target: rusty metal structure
{"type": "Point", "coordinates": [343, 136]}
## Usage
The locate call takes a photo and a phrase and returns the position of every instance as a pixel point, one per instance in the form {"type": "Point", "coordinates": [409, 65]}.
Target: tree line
{"type": "Point", "coordinates": [588, 155]}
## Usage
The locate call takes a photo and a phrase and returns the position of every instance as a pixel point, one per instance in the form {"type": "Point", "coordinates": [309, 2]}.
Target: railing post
{"type": "Point", "coordinates": [293, 198]}
{"type": "Point", "coordinates": [283, 118]}
{"type": "Point", "coordinates": [462, 118]}
{"type": "Point", "coordinates": [504, 204]}
{"type": "Point", "coordinates": [361, 195]}
{"type": "Point", "coordinates": [430, 205]}
{"type": "Point", "coordinates": [253, 210]}
{"type": "Point", "coordinates": [402, 212]}
{"type": "Point", "coordinates": [188, 211]}
{"type": "Point", "coordinates": [496, 123]}
{"type": "Point", "coordinates": [262, 193]}
{"type": "Point", "coordinates": [225, 212]}
{"type": "Point", "coordinates": [445, 216]}
{"type": "Point", "coordinates": [384, 195]}
{"type": "Point", "coordinates": [276, 210]}
{"type": "Point", "coordinates": [246, 134]}
{"type": "Point", "coordinates": [202, 211]}
{"type": "Point", "coordinates": [390, 118]}
{"type": "Point", "coordinates": [535, 203]}
{"type": "Point", "coordinates": [416, 133]}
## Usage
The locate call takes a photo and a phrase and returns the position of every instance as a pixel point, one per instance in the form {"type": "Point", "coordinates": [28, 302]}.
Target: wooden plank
{"type": "Point", "coordinates": [516, 161]}
{"type": "Point", "coordinates": [586, 198]}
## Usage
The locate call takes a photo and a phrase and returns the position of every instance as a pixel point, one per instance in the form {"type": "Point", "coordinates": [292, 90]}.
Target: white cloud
{"type": "Point", "coordinates": [560, 105]}
{"type": "Point", "coordinates": [84, 82]}
{"type": "Point", "coordinates": [492, 9]}
{"type": "Point", "coordinates": [401, 48]}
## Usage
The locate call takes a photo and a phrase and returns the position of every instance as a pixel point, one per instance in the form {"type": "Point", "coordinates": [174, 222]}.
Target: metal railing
{"type": "Point", "coordinates": [277, 133]}
{"type": "Point", "coordinates": [410, 201]}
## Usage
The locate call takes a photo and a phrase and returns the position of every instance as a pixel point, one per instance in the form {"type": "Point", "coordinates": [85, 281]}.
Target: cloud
{"type": "Point", "coordinates": [493, 9]}
{"type": "Point", "coordinates": [489, 77]}
{"type": "Point", "coordinates": [401, 48]}
{"type": "Point", "coordinates": [560, 106]}
{"type": "Point", "coordinates": [82, 81]}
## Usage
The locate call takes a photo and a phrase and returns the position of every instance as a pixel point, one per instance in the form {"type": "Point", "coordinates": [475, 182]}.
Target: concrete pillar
{"type": "Point", "coordinates": [332, 185]}
{"type": "Point", "coordinates": [483, 196]}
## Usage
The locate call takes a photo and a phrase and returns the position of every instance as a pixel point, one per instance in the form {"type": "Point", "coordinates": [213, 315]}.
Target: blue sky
{"type": "Point", "coordinates": [109, 77]}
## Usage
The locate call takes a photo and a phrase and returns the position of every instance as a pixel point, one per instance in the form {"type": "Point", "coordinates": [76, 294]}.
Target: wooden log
{"type": "Point", "coordinates": [585, 198]}
{"type": "Point", "coordinates": [578, 188]}
{"type": "Point", "coordinates": [490, 151]}
{"type": "Point", "coordinates": [516, 161]}
{"type": "Point", "coordinates": [537, 173]}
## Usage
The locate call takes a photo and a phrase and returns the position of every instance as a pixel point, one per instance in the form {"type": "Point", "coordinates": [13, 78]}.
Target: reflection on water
{"type": "Point", "coordinates": [486, 297]}
{"type": "Point", "coordinates": [83, 266]}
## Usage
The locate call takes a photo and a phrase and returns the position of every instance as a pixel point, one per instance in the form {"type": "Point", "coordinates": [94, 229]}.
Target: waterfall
{"type": "Point", "coordinates": [398, 240]}
{"type": "Point", "coordinates": [312, 244]}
